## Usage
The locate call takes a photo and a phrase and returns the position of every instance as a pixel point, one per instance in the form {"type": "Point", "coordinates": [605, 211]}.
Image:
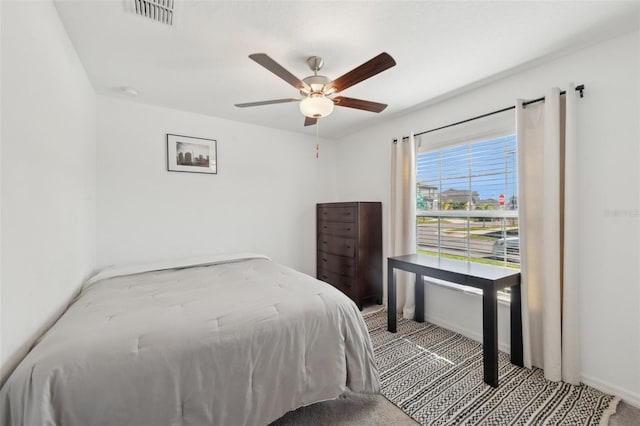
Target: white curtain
{"type": "Point", "coordinates": [547, 186]}
{"type": "Point", "coordinates": [402, 205]}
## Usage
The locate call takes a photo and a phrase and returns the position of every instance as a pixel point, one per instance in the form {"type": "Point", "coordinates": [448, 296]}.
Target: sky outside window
{"type": "Point", "coordinates": [480, 171]}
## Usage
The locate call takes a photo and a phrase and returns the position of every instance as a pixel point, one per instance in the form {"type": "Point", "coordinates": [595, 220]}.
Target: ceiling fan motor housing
{"type": "Point", "coordinates": [316, 82]}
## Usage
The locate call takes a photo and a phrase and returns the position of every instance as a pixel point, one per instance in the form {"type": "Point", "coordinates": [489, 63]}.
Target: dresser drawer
{"type": "Point", "coordinates": [342, 229]}
{"type": "Point", "coordinates": [336, 245]}
{"type": "Point", "coordinates": [338, 264]}
{"type": "Point", "coordinates": [337, 214]}
{"type": "Point", "coordinates": [342, 283]}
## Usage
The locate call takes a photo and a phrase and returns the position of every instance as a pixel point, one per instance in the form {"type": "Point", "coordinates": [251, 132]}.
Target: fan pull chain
{"type": "Point", "coordinates": [317, 139]}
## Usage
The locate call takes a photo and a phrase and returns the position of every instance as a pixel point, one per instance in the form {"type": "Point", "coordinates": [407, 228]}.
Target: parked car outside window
{"type": "Point", "coordinates": [507, 249]}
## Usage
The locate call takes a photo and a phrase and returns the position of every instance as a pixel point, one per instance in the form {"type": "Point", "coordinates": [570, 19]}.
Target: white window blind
{"type": "Point", "coordinates": [467, 200]}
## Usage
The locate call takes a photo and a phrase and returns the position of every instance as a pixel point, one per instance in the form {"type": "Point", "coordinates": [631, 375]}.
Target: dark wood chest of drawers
{"type": "Point", "coordinates": [349, 253]}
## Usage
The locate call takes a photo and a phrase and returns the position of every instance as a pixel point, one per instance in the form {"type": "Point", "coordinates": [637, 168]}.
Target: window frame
{"type": "Point", "coordinates": [502, 215]}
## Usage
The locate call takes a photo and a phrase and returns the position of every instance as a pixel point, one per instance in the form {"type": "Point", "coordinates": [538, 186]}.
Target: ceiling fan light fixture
{"type": "Point", "coordinates": [316, 105]}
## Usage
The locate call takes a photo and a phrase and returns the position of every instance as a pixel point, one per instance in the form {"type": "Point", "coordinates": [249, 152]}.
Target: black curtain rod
{"type": "Point", "coordinates": [579, 88]}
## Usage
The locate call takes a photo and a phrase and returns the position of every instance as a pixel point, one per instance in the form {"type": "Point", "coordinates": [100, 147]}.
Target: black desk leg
{"type": "Point", "coordinates": [391, 298]}
{"type": "Point", "coordinates": [490, 336]}
{"type": "Point", "coordinates": [516, 326]}
{"type": "Point", "coordinates": [419, 293]}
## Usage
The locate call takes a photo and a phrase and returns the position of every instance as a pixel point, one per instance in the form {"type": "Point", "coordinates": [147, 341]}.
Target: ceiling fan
{"type": "Point", "coordinates": [317, 90]}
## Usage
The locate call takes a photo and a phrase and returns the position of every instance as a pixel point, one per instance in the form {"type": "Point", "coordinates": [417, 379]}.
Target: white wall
{"type": "Point", "coordinates": [268, 183]}
{"type": "Point", "coordinates": [47, 174]}
{"type": "Point", "coordinates": [608, 119]}
{"type": "Point", "coordinates": [262, 199]}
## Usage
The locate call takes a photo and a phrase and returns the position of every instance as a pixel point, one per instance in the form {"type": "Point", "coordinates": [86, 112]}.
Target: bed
{"type": "Point", "coordinates": [229, 340]}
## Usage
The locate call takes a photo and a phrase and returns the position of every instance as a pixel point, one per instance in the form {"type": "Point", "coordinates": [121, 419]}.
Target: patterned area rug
{"type": "Point", "coordinates": [435, 376]}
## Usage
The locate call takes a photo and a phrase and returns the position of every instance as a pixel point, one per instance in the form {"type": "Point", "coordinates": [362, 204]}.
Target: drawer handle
{"type": "Point", "coordinates": [324, 277]}
{"type": "Point", "coordinates": [348, 246]}
{"type": "Point", "coordinates": [324, 260]}
{"type": "Point", "coordinates": [348, 229]}
{"type": "Point", "coordinates": [325, 226]}
{"type": "Point", "coordinates": [324, 213]}
{"type": "Point", "coordinates": [324, 242]}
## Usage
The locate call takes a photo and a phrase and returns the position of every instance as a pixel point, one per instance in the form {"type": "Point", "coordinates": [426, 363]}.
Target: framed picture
{"type": "Point", "coordinates": [189, 154]}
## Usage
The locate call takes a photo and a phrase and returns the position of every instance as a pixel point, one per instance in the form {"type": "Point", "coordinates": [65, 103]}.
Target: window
{"type": "Point", "coordinates": [467, 201]}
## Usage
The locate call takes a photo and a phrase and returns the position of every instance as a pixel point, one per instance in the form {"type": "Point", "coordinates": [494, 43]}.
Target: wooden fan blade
{"type": "Point", "coordinates": [359, 104]}
{"type": "Point", "coordinates": [367, 70]}
{"type": "Point", "coordinates": [273, 101]}
{"type": "Point", "coordinates": [310, 121]}
{"type": "Point", "coordinates": [264, 60]}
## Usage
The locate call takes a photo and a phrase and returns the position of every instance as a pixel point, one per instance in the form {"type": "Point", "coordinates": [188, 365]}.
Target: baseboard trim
{"type": "Point", "coordinates": [628, 397]}
{"type": "Point", "coordinates": [465, 332]}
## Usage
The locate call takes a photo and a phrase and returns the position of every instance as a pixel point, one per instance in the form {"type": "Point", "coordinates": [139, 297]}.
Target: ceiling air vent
{"type": "Point", "coordinates": [156, 10]}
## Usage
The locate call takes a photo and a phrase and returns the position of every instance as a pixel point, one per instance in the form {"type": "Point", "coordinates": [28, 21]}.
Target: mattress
{"type": "Point", "coordinates": [233, 341]}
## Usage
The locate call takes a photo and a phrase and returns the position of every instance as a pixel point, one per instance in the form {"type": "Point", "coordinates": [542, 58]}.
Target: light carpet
{"type": "Point", "coordinates": [435, 376]}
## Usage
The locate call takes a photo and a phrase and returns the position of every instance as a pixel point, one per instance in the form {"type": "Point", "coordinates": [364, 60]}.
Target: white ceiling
{"type": "Point", "coordinates": [201, 63]}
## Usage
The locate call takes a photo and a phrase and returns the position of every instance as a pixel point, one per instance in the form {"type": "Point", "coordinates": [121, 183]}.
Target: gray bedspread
{"type": "Point", "coordinates": [237, 342]}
